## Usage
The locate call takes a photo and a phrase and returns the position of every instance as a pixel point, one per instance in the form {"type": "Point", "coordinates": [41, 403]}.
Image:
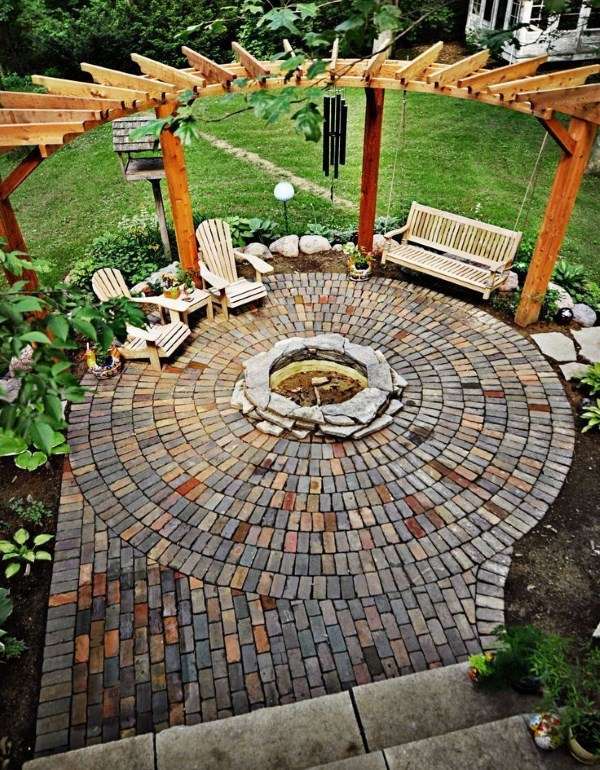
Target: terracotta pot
{"type": "Point", "coordinates": [580, 753]}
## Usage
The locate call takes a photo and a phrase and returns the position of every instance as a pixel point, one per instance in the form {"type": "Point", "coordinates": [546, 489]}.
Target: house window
{"type": "Point", "coordinates": [570, 19]}
{"type": "Point", "coordinates": [539, 14]}
{"type": "Point", "coordinates": [515, 13]}
{"type": "Point", "coordinates": [488, 8]}
{"type": "Point", "coordinates": [593, 21]}
{"type": "Point", "coordinates": [476, 7]}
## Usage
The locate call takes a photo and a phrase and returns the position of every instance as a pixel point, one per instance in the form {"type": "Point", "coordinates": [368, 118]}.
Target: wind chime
{"type": "Point", "coordinates": [335, 124]}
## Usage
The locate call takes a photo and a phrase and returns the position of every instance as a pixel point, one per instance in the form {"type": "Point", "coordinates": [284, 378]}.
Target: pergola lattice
{"type": "Point", "coordinates": [47, 121]}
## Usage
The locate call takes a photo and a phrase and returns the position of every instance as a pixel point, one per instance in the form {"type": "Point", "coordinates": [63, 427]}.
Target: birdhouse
{"type": "Point", "coordinates": [141, 159]}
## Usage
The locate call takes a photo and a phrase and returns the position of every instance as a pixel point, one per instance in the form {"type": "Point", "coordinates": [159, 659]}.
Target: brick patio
{"type": "Point", "coordinates": [204, 569]}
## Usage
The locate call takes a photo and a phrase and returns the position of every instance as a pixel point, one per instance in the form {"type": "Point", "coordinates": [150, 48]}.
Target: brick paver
{"type": "Point", "coordinates": [204, 569]}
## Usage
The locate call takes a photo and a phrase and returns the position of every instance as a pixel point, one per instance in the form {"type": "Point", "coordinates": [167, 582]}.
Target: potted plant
{"type": "Point", "coordinates": [571, 682]}
{"type": "Point", "coordinates": [360, 265]}
{"type": "Point", "coordinates": [511, 663]}
{"type": "Point", "coordinates": [170, 286]}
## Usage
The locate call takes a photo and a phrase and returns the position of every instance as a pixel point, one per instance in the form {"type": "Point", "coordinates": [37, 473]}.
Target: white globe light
{"type": "Point", "coordinates": [283, 191]}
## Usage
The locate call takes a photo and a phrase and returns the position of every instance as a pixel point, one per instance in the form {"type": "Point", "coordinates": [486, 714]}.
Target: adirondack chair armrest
{"type": "Point", "coordinates": [149, 335]}
{"type": "Point", "coordinates": [240, 256]}
{"type": "Point", "coordinates": [261, 267]}
{"type": "Point", "coordinates": [212, 279]}
{"type": "Point", "coordinates": [392, 233]}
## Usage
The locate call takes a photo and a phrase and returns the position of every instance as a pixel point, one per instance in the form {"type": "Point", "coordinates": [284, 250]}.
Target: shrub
{"type": "Point", "coordinates": [244, 230]}
{"type": "Point", "coordinates": [508, 302]}
{"type": "Point", "coordinates": [385, 224]}
{"type": "Point", "coordinates": [591, 295]}
{"type": "Point", "coordinates": [134, 248]}
{"type": "Point", "coordinates": [524, 254]}
{"type": "Point", "coordinates": [20, 552]}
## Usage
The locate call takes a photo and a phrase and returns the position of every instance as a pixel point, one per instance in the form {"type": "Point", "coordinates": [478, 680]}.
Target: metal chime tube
{"type": "Point", "coordinates": [326, 129]}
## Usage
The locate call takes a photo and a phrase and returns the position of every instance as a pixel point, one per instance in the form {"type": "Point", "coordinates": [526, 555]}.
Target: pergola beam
{"type": "Point", "coordinates": [250, 63]}
{"type": "Point", "coordinates": [23, 134]}
{"type": "Point", "coordinates": [419, 64]}
{"type": "Point", "coordinates": [463, 67]}
{"type": "Point", "coordinates": [502, 74]}
{"type": "Point", "coordinates": [8, 116]}
{"type": "Point", "coordinates": [108, 77]}
{"type": "Point", "coordinates": [556, 220]}
{"type": "Point", "coordinates": [33, 101]}
{"type": "Point", "coordinates": [557, 97]}
{"type": "Point", "coordinates": [168, 74]}
{"type": "Point", "coordinates": [209, 69]}
{"type": "Point", "coordinates": [62, 87]}
{"type": "Point", "coordinates": [560, 134]}
{"type": "Point", "coordinates": [536, 83]}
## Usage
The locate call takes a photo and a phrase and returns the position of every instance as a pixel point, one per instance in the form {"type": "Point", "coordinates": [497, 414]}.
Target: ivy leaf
{"type": "Point", "coordinates": [316, 68]}
{"type": "Point", "coordinates": [35, 337]}
{"type": "Point", "coordinates": [30, 461]}
{"type": "Point", "coordinates": [59, 326]}
{"type": "Point", "coordinates": [281, 18]}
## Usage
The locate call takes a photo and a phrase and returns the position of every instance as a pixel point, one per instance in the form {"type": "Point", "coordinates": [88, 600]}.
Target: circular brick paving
{"type": "Point", "coordinates": [470, 464]}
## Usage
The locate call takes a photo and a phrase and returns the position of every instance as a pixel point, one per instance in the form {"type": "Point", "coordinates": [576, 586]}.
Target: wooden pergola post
{"type": "Point", "coordinates": [11, 233]}
{"type": "Point", "coordinates": [567, 181]}
{"type": "Point", "coordinates": [370, 166]}
{"type": "Point", "coordinates": [179, 193]}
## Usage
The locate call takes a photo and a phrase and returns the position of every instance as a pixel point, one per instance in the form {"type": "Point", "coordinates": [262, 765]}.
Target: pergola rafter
{"type": "Point", "coordinates": [46, 121]}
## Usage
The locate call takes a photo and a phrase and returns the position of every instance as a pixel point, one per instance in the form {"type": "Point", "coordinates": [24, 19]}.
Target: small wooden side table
{"type": "Point", "coordinates": [180, 308]}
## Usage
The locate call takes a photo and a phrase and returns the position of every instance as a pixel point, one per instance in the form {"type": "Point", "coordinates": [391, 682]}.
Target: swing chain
{"type": "Point", "coordinates": [531, 185]}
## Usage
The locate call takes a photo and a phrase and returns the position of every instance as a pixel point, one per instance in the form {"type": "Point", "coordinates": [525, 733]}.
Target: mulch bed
{"type": "Point", "coordinates": [552, 582]}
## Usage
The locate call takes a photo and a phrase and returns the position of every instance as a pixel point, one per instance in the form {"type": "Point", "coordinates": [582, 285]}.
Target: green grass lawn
{"type": "Point", "coordinates": [461, 156]}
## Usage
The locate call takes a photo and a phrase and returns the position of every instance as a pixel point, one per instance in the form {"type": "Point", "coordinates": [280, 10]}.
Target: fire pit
{"type": "Point", "coordinates": [323, 385]}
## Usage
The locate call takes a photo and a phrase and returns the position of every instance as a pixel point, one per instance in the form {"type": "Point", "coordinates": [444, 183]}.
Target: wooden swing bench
{"type": "Point", "coordinates": [456, 249]}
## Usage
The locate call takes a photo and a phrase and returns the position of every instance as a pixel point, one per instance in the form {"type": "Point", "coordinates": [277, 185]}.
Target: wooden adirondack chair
{"type": "Point", "coordinates": [218, 268]}
{"type": "Point", "coordinates": [108, 283]}
{"type": "Point", "coordinates": [155, 343]}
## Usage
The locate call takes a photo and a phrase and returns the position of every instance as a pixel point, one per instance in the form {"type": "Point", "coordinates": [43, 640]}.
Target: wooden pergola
{"type": "Point", "coordinates": [47, 121]}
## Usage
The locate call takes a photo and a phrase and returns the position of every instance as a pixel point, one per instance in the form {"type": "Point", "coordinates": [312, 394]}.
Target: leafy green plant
{"type": "Point", "coordinates": [507, 302]}
{"type": "Point", "coordinates": [23, 553]}
{"type": "Point", "coordinates": [38, 331]}
{"type": "Point", "coordinates": [591, 416]}
{"type": "Point", "coordinates": [9, 646]}
{"type": "Point", "coordinates": [571, 277]}
{"type": "Point", "coordinates": [591, 295]}
{"type": "Point", "coordinates": [511, 664]}
{"type": "Point", "coordinates": [524, 255]}
{"type": "Point", "coordinates": [134, 248]}
{"type": "Point", "coordinates": [245, 230]}
{"type": "Point", "coordinates": [385, 224]}
{"type": "Point", "coordinates": [314, 228]}
{"type": "Point", "coordinates": [592, 378]}
{"type": "Point", "coordinates": [29, 510]}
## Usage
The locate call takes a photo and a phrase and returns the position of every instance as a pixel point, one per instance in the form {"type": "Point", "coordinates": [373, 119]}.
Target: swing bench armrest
{"type": "Point", "coordinates": [392, 233]}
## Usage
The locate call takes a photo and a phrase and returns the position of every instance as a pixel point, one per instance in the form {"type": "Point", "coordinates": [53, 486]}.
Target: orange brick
{"type": "Point", "coordinates": [111, 643]}
{"type": "Point", "coordinates": [261, 639]}
{"type": "Point", "coordinates": [82, 648]}
{"type": "Point", "coordinates": [232, 649]}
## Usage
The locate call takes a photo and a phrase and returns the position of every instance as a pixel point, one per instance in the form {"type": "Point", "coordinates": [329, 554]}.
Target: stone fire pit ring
{"type": "Point", "coordinates": [372, 409]}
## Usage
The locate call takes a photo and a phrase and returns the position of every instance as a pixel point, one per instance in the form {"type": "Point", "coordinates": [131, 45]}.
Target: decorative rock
{"type": "Point", "coordinates": [511, 283]}
{"type": "Point", "coordinates": [378, 424]}
{"type": "Point", "coordinates": [258, 250]}
{"type": "Point", "coordinates": [378, 244]}
{"type": "Point", "coordinates": [589, 341]}
{"type": "Point", "coordinates": [237, 397]}
{"type": "Point", "coordinates": [337, 247]}
{"type": "Point", "coordinates": [143, 286]}
{"type": "Point", "coordinates": [365, 405]}
{"type": "Point", "coordinates": [313, 244]}
{"type": "Point", "coordinates": [556, 346]}
{"type": "Point", "coordinates": [286, 246]}
{"type": "Point", "coordinates": [319, 380]}
{"type": "Point", "coordinates": [564, 298]}
{"type": "Point", "coordinates": [573, 371]}
{"type": "Point", "coordinates": [270, 428]}
{"type": "Point", "coordinates": [583, 314]}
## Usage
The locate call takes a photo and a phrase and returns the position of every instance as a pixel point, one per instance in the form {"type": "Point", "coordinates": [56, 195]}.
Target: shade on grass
{"type": "Point", "coordinates": [463, 156]}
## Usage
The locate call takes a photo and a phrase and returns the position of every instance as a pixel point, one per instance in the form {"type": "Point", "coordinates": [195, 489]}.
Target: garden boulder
{"type": "Point", "coordinates": [564, 298]}
{"type": "Point", "coordinates": [583, 314]}
{"type": "Point", "coordinates": [313, 244]}
{"type": "Point", "coordinates": [511, 283]}
{"type": "Point", "coordinates": [378, 244]}
{"type": "Point", "coordinates": [258, 250]}
{"type": "Point", "coordinates": [286, 246]}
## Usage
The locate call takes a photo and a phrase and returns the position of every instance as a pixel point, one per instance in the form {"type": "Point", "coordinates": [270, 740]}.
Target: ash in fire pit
{"type": "Point", "coordinates": [316, 382]}
{"type": "Point", "coordinates": [325, 385]}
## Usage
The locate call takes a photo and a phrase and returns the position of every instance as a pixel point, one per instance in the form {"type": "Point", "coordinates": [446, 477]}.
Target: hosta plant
{"type": "Point", "coordinates": [21, 552]}
{"type": "Point", "coordinates": [572, 277]}
{"type": "Point", "coordinates": [9, 646]}
{"type": "Point", "coordinates": [592, 378]}
{"type": "Point", "coordinates": [591, 415]}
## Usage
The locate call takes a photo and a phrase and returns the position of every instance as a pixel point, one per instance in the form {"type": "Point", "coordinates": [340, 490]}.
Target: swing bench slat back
{"type": "Point", "coordinates": [456, 249]}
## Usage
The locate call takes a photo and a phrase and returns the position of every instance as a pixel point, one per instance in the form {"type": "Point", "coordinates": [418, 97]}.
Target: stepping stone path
{"type": "Point", "coordinates": [204, 569]}
{"type": "Point", "coordinates": [573, 370]}
{"type": "Point", "coordinates": [557, 346]}
{"type": "Point", "coordinates": [589, 341]}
